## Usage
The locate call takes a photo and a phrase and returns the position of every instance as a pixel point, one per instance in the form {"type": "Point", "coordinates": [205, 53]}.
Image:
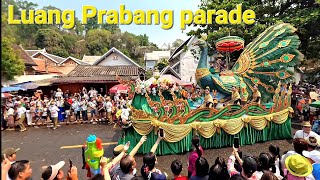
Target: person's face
{"type": "Point", "coordinates": [27, 173]}
{"type": "Point", "coordinates": [206, 91]}
{"type": "Point", "coordinates": [13, 157]}
{"type": "Point", "coordinates": [306, 129]}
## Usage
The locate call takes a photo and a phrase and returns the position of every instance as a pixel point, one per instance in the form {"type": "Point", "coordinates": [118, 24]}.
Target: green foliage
{"type": "Point", "coordinates": [304, 15]}
{"type": "Point", "coordinates": [149, 74]}
{"type": "Point", "coordinates": [177, 43]}
{"type": "Point", "coordinates": [11, 64]}
{"type": "Point", "coordinates": [97, 40]}
{"type": "Point", "coordinates": [162, 64]}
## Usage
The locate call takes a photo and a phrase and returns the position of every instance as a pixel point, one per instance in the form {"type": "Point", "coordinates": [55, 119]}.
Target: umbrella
{"type": "Point", "coordinates": [120, 88]}
{"type": "Point", "coordinates": [315, 104]}
{"type": "Point", "coordinates": [229, 44]}
{"type": "Point", "coordinates": [11, 89]}
{"type": "Point", "coordinates": [28, 85]}
{"type": "Point", "coordinates": [5, 95]}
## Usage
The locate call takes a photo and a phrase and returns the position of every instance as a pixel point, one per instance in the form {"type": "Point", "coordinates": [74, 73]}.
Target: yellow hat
{"type": "Point", "coordinates": [118, 149]}
{"type": "Point", "coordinates": [306, 124]}
{"type": "Point", "coordinates": [298, 165]}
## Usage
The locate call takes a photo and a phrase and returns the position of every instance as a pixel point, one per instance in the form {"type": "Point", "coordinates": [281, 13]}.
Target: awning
{"type": "Point", "coordinates": [11, 89]}
{"type": "Point", "coordinates": [27, 85]}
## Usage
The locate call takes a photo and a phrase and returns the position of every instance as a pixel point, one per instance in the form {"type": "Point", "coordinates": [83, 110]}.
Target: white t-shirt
{"type": "Point", "coordinates": [10, 111]}
{"type": "Point", "coordinates": [109, 106]}
{"type": "Point", "coordinates": [301, 134]}
{"type": "Point", "coordinates": [59, 94]}
{"type": "Point", "coordinates": [54, 111]}
{"type": "Point", "coordinates": [21, 110]}
{"type": "Point", "coordinates": [92, 105]}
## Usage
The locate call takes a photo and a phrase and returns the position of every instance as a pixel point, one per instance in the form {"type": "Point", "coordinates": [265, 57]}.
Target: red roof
{"type": "Point", "coordinates": [42, 68]}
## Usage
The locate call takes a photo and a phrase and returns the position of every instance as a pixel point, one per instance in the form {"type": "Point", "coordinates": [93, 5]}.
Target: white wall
{"type": "Point", "coordinates": [150, 64]}
{"type": "Point", "coordinates": [121, 61]}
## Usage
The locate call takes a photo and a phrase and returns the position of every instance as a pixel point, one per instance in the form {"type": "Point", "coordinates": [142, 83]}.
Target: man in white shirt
{"type": "Point", "coordinates": [54, 114]}
{"type": "Point", "coordinates": [109, 110]}
{"type": "Point", "coordinates": [10, 114]}
{"type": "Point", "coordinates": [305, 132]}
{"type": "Point", "coordinates": [21, 116]}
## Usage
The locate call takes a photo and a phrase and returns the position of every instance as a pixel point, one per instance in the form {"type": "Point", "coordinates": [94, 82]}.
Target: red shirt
{"type": "Point", "coordinates": [181, 178]}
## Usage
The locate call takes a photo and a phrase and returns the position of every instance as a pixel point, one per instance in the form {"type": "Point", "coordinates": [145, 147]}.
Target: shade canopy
{"type": "Point", "coordinates": [6, 95]}
{"type": "Point", "coordinates": [11, 89]}
{"type": "Point", "coordinates": [230, 44]}
{"type": "Point", "coordinates": [27, 85]}
{"type": "Point", "coordinates": [120, 88]}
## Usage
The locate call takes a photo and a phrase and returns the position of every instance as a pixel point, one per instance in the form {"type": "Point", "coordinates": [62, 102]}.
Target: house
{"type": "Point", "coordinates": [151, 59]}
{"type": "Point", "coordinates": [169, 71]}
{"type": "Point", "coordinates": [102, 78]}
{"type": "Point", "coordinates": [183, 62]}
{"type": "Point", "coordinates": [28, 61]}
{"type": "Point", "coordinates": [114, 57]}
{"type": "Point", "coordinates": [49, 63]}
{"type": "Point", "coordinates": [90, 59]}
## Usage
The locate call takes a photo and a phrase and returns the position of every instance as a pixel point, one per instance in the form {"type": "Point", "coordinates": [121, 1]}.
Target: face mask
{"type": "Point", "coordinates": [134, 172]}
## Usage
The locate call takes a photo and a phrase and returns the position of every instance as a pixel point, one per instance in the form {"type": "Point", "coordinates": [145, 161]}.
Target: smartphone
{"type": "Point", "coordinates": [236, 143]}
{"type": "Point", "coordinates": [161, 132]}
{"type": "Point", "coordinates": [70, 163]}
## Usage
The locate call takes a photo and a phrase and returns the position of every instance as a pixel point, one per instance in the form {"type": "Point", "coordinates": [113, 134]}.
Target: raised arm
{"type": "Point", "coordinates": [155, 146]}
{"type": "Point", "coordinates": [119, 157]}
{"type": "Point", "coordinates": [136, 148]}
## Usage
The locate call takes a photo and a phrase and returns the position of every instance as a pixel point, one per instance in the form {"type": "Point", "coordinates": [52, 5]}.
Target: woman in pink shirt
{"type": "Point", "coordinates": [194, 155]}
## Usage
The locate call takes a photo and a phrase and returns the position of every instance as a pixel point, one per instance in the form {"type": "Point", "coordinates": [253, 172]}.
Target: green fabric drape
{"type": "Point", "coordinates": [248, 135]}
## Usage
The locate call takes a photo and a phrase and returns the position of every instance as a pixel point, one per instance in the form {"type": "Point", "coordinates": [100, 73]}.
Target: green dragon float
{"type": "Point", "coordinates": [266, 63]}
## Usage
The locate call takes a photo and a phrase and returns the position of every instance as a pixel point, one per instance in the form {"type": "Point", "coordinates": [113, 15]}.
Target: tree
{"type": "Point", "coordinates": [52, 40]}
{"type": "Point", "coordinates": [162, 64]}
{"type": "Point", "coordinates": [177, 43]}
{"type": "Point", "coordinates": [11, 64]}
{"type": "Point", "coordinates": [304, 15]}
{"type": "Point", "coordinates": [98, 41]}
{"type": "Point", "coordinates": [143, 40]}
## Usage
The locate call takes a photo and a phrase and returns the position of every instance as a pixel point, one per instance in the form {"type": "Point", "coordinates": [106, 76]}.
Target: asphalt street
{"type": "Point", "coordinates": [44, 146]}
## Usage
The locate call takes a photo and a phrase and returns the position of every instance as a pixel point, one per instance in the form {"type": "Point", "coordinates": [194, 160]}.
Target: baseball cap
{"type": "Point", "coordinates": [10, 151]}
{"type": "Point", "coordinates": [54, 171]}
{"type": "Point", "coordinates": [313, 155]}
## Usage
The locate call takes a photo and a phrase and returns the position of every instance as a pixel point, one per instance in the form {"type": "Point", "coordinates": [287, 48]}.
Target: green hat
{"type": "Point", "coordinates": [298, 165]}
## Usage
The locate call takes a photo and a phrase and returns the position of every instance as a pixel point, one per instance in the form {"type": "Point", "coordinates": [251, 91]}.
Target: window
{"type": "Point", "coordinates": [115, 57]}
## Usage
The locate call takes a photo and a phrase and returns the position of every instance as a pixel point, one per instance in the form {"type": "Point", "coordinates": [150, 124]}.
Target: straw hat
{"type": "Point", "coordinates": [298, 165]}
{"type": "Point", "coordinates": [306, 124]}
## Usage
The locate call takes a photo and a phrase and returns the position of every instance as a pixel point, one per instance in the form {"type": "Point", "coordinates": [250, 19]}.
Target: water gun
{"type": "Point", "coordinates": [93, 153]}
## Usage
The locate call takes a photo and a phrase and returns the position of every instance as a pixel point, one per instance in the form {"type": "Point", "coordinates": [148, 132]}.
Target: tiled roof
{"type": "Point", "coordinates": [42, 68]}
{"type": "Point", "coordinates": [89, 71]}
{"type": "Point", "coordinates": [101, 79]}
{"type": "Point", "coordinates": [23, 55]}
{"type": "Point", "coordinates": [57, 58]}
{"type": "Point", "coordinates": [78, 61]}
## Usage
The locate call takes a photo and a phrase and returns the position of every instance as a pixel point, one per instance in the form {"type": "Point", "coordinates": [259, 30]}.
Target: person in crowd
{"type": "Point", "coordinates": [101, 108]}
{"type": "Point", "coordinates": [202, 169]}
{"type": "Point", "coordinates": [108, 107]}
{"type": "Point", "coordinates": [10, 118]}
{"type": "Point", "coordinates": [219, 170]}
{"type": "Point", "coordinates": [176, 168]}
{"type": "Point", "coordinates": [84, 110]}
{"type": "Point", "coordinates": [5, 167]}
{"type": "Point", "coordinates": [299, 145]}
{"type": "Point", "coordinates": [148, 169]}
{"type": "Point", "coordinates": [237, 177]}
{"type": "Point", "coordinates": [305, 132]}
{"type": "Point", "coordinates": [76, 109]}
{"type": "Point", "coordinates": [267, 175]}
{"type": "Point", "coordinates": [21, 116]}
{"type": "Point", "coordinates": [92, 105]}
{"type": "Point", "coordinates": [194, 155]}
{"type": "Point", "coordinates": [55, 172]}
{"type": "Point", "coordinates": [316, 125]}
{"type": "Point", "coordinates": [54, 114]}
{"type": "Point", "coordinates": [20, 170]}
{"type": "Point", "coordinates": [266, 163]}
{"type": "Point", "coordinates": [128, 168]}
{"type": "Point", "coordinates": [67, 110]}
{"type": "Point", "coordinates": [297, 167]}
{"type": "Point", "coordinates": [248, 165]}
{"type": "Point", "coordinates": [256, 96]}
{"type": "Point", "coordinates": [275, 153]}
